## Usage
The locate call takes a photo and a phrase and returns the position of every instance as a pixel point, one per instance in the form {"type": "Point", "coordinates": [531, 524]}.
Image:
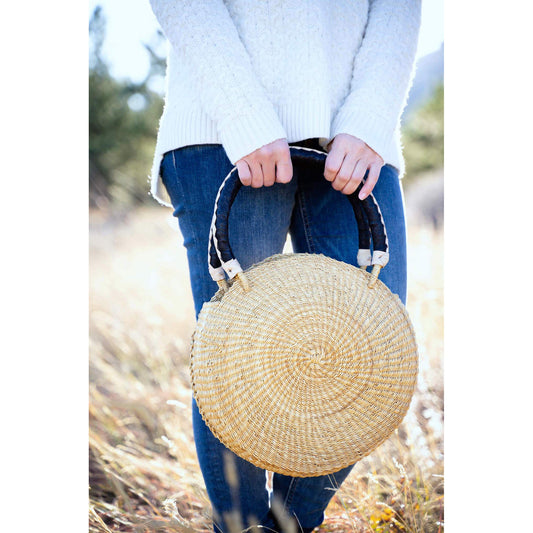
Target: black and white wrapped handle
{"type": "Point", "coordinates": [370, 223]}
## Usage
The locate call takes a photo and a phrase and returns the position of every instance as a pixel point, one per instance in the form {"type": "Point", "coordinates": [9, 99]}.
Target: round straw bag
{"type": "Point", "coordinates": [302, 364]}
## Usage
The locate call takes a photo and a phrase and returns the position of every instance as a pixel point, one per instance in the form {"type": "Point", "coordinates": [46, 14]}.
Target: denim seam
{"type": "Point", "coordinates": [290, 493]}
{"type": "Point", "coordinates": [306, 225]}
{"type": "Point", "coordinates": [174, 160]}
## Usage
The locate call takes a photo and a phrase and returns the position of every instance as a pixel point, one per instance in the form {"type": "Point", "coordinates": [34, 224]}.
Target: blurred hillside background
{"type": "Point", "coordinates": [143, 471]}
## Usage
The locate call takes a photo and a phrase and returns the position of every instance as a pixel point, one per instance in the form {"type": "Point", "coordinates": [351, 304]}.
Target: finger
{"type": "Point", "coordinates": [257, 174]}
{"type": "Point", "coordinates": [268, 168]}
{"type": "Point", "coordinates": [333, 162]}
{"type": "Point", "coordinates": [245, 174]}
{"type": "Point", "coordinates": [371, 180]}
{"type": "Point", "coordinates": [284, 171]}
{"type": "Point", "coordinates": [356, 177]}
{"type": "Point", "coordinates": [353, 183]}
{"type": "Point", "coordinates": [350, 187]}
{"type": "Point", "coordinates": [345, 172]}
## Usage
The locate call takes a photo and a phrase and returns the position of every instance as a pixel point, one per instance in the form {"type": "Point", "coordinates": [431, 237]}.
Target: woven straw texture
{"type": "Point", "coordinates": [308, 371]}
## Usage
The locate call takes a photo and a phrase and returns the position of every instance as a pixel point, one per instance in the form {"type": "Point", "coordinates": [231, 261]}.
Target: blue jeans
{"type": "Point", "coordinates": [319, 220]}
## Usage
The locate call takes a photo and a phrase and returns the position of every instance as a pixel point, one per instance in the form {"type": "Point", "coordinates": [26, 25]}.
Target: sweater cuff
{"type": "Point", "coordinates": [374, 130]}
{"type": "Point", "coordinates": [246, 133]}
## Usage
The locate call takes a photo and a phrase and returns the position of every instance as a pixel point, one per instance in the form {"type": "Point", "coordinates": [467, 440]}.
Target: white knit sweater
{"type": "Point", "coordinates": [244, 73]}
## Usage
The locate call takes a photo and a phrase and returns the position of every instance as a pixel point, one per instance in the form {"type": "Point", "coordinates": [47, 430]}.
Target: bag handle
{"type": "Point", "coordinates": [367, 213]}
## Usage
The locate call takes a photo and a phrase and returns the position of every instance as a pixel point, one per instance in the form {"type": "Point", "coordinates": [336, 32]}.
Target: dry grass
{"type": "Point", "coordinates": [143, 470]}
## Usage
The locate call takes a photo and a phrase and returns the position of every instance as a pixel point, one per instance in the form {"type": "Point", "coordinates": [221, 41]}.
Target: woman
{"type": "Point", "coordinates": [244, 80]}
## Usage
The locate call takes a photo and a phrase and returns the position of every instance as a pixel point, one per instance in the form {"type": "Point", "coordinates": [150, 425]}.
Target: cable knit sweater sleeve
{"type": "Point", "coordinates": [382, 74]}
{"type": "Point", "coordinates": [206, 41]}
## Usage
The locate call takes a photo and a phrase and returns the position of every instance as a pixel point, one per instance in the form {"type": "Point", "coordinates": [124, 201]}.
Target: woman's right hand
{"type": "Point", "coordinates": [267, 165]}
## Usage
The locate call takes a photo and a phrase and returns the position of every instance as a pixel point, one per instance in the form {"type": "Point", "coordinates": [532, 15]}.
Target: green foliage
{"type": "Point", "coordinates": [123, 118]}
{"type": "Point", "coordinates": [423, 137]}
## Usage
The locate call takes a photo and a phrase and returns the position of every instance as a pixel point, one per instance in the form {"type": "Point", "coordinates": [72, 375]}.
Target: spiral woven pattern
{"type": "Point", "coordinates": [308, 371]}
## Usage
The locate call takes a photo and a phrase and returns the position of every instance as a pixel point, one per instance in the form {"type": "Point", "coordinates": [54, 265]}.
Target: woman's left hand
{"type": "Point", "coordinates": [347, 162]}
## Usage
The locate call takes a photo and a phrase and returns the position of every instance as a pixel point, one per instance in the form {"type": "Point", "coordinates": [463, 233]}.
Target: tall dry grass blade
{"type": "Point", "coordinates": [93, 514]}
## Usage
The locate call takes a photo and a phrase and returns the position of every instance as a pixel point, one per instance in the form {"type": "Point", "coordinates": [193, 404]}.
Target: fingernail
{"type": "Point", "coordinates": [362, 195]}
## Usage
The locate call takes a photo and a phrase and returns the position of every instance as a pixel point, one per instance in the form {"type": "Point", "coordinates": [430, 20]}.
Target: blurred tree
{"type": "Point", "coordinates": [423, 137]}
{"type": "Point", "coordinates": [123, 118]}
